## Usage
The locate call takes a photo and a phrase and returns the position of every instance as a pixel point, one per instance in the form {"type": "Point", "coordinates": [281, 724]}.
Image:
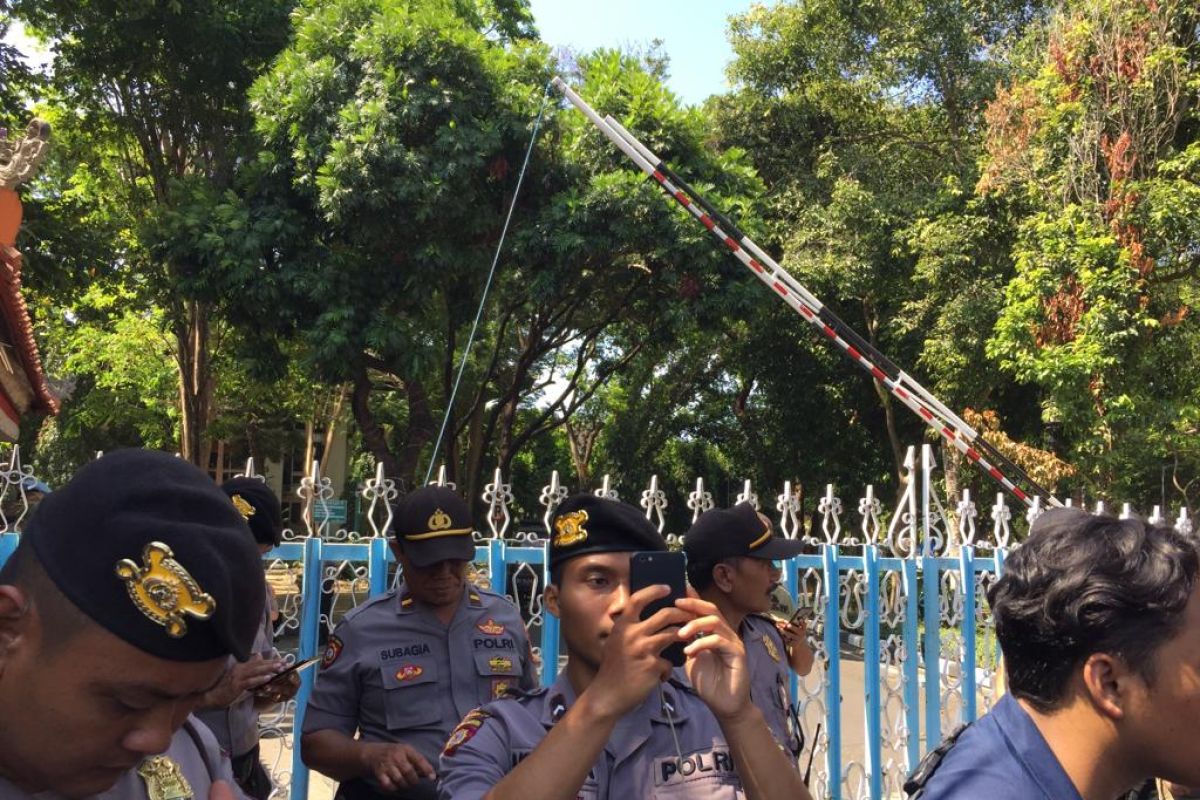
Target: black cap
{"type": "Point", "coordinates": [732, 532]}
{"type": "Point", "coordinates": [255, 501]}
{"type": "Point", "coordinates": [146, 545]}
{"type": "Point", "coordinates": [433, 524]}
{"type": "Point", "coordinates": [585, 523]}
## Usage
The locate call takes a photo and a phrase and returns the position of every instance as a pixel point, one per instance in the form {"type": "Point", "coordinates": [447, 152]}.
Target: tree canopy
{"type": "Point", "coordinates": [265, 219]}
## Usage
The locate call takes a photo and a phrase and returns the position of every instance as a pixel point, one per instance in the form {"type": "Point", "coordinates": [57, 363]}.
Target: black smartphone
{"type": "Point", "coordinates": [279, 676]}
{"type": "Point", "coordinates": [667, 568]}
{"type": "Point", "coordinates": [801, 614]}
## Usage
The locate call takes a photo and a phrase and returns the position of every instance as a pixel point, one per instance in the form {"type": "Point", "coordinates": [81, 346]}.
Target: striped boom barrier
{"type": "Point", "coordinates": [901, 385]}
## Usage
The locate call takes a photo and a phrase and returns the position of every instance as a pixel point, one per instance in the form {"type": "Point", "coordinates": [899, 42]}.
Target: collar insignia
{"type": "Point", "coordinates": [164, 779]}
{"type": "Point", "coordinates": [243, 506]}
{"type": "Point", "coordinates": [163, 590]}
{"type": "Point", "coordinates": [569, 530]}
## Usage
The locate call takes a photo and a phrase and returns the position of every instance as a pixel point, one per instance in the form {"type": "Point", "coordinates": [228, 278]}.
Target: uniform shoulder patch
{"type": "Point", "coordinates": [465, 731]}
{"type": "Point", "coordinates": [333, 649]}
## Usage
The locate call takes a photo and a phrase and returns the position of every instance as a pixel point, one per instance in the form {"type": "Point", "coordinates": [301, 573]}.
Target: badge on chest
{"type": "Point", "coordinates": [164, 779]}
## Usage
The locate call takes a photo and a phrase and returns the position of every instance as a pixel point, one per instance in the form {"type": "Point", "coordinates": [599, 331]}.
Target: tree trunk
{"type": "Point", "coordinates": [885, 399]}
{"type": "Point", "coordinates": [339, 400]}
{"type": "Point", "coordinates": [581, 442]}
{"type": "Point", "coordinates": [195, 380]}
{"type": "Point", "coordinates": [420, 431]}
{"type": "Point", "coordinates": [476, 446]}
{"type": "Point", "coordinates": [373, 435]}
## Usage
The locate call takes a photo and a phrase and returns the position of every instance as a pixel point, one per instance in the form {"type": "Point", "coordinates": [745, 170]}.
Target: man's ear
{"type": "Point", "coordinates": [16, 617]}
{"type": "Point", "coordinates": [722, 575]}
{"type": "Point", "coordinates": [1107, 682]}
{"type": "Point", "coordinates": [550, 599]}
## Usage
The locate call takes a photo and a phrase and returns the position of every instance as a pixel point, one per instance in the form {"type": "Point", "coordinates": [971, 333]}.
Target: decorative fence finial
{"type": "Point", "coordinates": [379, 492]}
{"type": "Point", "coordinates": [606, 490]}
{"type": "Point", "coordinates": [747, 495]}
{"type": "Point", "coordinates": [498, 495]}
{"type": "Point", "coordinates": [654, 502]}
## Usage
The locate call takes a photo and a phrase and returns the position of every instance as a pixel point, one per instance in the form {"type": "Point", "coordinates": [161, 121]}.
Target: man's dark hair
{"type": "Point", "coordinates": [1085, 584]}
{"type": "Point", "coordinates": [700, 575]}
{"type": "Point", "coordinates": [60, 618]}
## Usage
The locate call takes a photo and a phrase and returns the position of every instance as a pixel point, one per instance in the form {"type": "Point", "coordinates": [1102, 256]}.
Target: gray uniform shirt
{"type": "Point", "coordinates": [193, 751]}
{"type": "Point", "coordinates": [394, 673]}
{"type": "Point", "coordinates": [770, 677]}
{"type": "Point", "coordinates": [639, 761]}
{"type": "Point", "coordinates": [236, 727]}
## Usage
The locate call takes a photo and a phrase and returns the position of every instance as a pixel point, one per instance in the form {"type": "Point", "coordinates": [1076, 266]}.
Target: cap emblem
{"type": "Point", "coordinates": [438, 521]}
{"type": "Point", "coordinates": [569, 530]}
{"type": "Point", "coordinates": [164, 779]}
{"type": "Point", "coordinates": [163, 590]}
{"type": "Point", "coordinates": [243, 507]}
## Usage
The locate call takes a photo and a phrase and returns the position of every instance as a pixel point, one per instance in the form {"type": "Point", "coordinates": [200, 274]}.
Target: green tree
{"type": "Point", "coordinates": [401, 126]}
{"type": "Point", "coordinates": [152, 98]}
{"type": "Point", "coordinates": [1094, 147]}
{"type": "Point", "coordinates": [863, 121]}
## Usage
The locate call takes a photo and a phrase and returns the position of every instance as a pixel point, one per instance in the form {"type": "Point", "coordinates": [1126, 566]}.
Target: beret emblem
{"type": "Point", "coordinates": [163, 590]}
{"type": "Point", "coordinates": [439, 521]}
{"type": "Point", "coordinates": [243, 507]}
{"type": "Point", "coordinates": [569, 530]}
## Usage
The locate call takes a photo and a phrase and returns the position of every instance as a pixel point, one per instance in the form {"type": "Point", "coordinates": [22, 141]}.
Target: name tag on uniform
{"type": "Point", "coordinates": [715, 764]}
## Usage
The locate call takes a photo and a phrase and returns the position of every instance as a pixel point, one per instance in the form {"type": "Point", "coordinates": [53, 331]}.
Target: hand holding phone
{"type": "Point", "coordinates": [279, 679]}
{"type": "Point", "coordinates": [665, 568]}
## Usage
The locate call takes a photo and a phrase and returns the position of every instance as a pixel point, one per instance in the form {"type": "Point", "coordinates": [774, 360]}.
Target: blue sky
{"type": "Point", "coordinates": [693, 34]}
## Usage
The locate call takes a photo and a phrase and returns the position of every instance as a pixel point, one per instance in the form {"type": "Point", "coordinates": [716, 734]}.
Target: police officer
{"type": "Point", "coordinates": [231, 709]}
{"type": "Point", "coordinates": [403, 668]}
{"type": "Point", "coordinates": [1099, 621]}
{"type": "Point", "coordinates": [120, 608]}
{"type": "Point", "coordinates": [731, 555]}
{"type": "Point", "coordinates": [613, 725]}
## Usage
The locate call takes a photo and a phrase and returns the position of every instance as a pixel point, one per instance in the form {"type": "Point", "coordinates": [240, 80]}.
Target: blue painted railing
{"type": "Point", "coordinates": [921, 582]}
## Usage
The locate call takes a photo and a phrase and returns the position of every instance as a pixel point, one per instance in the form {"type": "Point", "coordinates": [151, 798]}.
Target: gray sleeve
{"type": "Point", "coordinates": [475, 759]}
{"type": "Point", "coordinates": [336, 692]}
{"type": "Point", "coordinates": [216, 761]}
{"type": "Point", "coordinates": [529, 675]}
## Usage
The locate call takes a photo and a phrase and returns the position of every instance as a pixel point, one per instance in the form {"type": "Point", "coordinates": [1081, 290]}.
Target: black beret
{"type": "Point", "coordinates": [255, 501]}
{"type": "Point", "coordinates": [728, 533]}
{"type": "Point", "coordinates": [146, 545]}
{"type": "Point", "coordinates": [433, 524]}
{"type": "Point", "coordinates": [585, 523]}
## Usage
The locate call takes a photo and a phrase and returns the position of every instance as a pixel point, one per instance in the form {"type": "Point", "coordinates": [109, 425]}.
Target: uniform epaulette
{"type": "Point", "coordinates": [369, 603]}
{"type": "Point", "coordinates": [914, 787]}
{"type": "Point", "coordinates": [487, 594]}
